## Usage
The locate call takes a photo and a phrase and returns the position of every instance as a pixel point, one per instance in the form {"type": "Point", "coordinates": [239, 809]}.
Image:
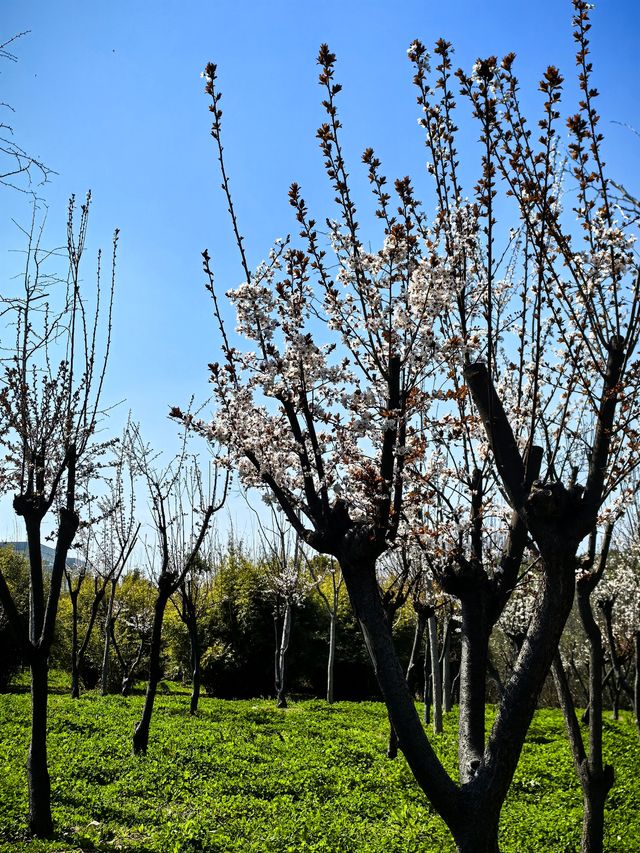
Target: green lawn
{"type": "Point", "coordinates": [243, 776]}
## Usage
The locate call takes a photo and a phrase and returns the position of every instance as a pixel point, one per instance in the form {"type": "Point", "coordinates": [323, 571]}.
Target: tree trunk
{"type": "Point", "coordinates": [421, 623]}
{"type": "Point", "coordinates": [595, 792]}
{"type": "Point", "coordinates": [99, 595]}
{"type": "Point", "coordinates": [40, 822]}
{"type": "Point", "coordinates": [480, 835]}
{"type": "Point", "coordinates": [75, 675]}
{"type": "Point", "coordinates": [447, 699]}
{"type": "Point", "coordinates": [141, 732]}
{"type": "Point", "coordinates": [595, 778]}
{"type": "Point", "coordinates": [426, 677]}
{"type": "Point", "coordinates": [615, 701]}
{"type": "Point", "coordinates": [128, 672]}
{"type": "Point", "coordinates": [435, 674]}
{"type": "Point", "coordinates": [281, 698]}
{"type": "Point", "coordinates": [332, 656]}
{"type": "Point", "coordinates": [418, 638]}
{"type": "Point", "coordinates": [104, 678]}
{"type": "Point", "coordinates": [364, 593]}
{"type": "Point", "coordinates": [192, 626]}
{"type": "Point", "coordinates": [473, 674]}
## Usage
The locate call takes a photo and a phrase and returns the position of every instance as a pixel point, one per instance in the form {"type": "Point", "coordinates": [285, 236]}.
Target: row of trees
{"type": "Point", "coordinates": [448, 419]}
{"type": "Point", "coordinates": [224, 629]}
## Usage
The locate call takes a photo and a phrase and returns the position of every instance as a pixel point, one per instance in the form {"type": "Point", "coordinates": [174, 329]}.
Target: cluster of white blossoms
{"type": "Point", "coordinates": [312, 415]}
{"type": "Point", "coordinates": [520, 608]}
{"type": "Point", "coordinates": [621, 584]}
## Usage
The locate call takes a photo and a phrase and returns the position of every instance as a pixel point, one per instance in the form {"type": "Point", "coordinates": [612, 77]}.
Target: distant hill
{"type": "Point", "coordinates": [47, 552]}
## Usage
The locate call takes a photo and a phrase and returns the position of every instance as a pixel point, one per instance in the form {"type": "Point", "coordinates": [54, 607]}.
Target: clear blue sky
{"type": "Point", "coordinates": [108, 94]}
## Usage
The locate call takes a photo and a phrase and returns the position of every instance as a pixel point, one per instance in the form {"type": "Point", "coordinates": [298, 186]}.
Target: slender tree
{"type": "Point", "coordinates": [50, 408]}
{"type": "Point", "coordinates": [117, 538]}
{"type": "Point", "coordinates": [191, 603]}
{"type": "Point", "coordinates": [328, 585]}
{"type": "Point", "coordinates": [182, 513]}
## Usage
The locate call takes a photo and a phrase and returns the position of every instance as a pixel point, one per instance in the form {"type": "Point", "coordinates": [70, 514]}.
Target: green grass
{"type": "Point", "coordinates": [242, 776]}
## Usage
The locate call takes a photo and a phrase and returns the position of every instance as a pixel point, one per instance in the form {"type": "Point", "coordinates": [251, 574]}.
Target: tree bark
{"type": "Point", "coordinates": [141, 731]}
{"type": "Point", "coordinates": [595, 779]}
{"type": "Point", "coordinates": [40, 822]}
{"type": "Point", "coordinates": [480, 835]}
{"type": "Point", "coordinates": [429, 773]}
{"type": "Point", "coordinates": [473, 673]}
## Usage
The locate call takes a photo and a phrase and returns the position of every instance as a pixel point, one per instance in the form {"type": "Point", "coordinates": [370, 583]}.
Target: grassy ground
{"type": "Point", "coordinates": [242, 776]}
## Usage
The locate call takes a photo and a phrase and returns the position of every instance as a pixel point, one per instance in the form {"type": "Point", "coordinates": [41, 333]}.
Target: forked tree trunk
{"type": "Point", "coordinates": [40, 822]}
{"type": "Point", "coordinates": [128, 671]}
{"type": "Point", "coordinates": [84, 645]}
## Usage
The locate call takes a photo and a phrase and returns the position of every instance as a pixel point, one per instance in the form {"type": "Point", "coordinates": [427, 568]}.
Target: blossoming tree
{"type": "Point", "coordinates": [360, 373]}
{"type": "Point", "coordinates": [49, 414]}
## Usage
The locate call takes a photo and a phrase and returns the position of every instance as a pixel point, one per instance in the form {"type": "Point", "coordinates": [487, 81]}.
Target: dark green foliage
{"type": "Point", "coordinates": [240, 641]}
{"type": "Point", "coordinates": [243, 776]}
{"type": "Point", "coordinates": [15, 570]}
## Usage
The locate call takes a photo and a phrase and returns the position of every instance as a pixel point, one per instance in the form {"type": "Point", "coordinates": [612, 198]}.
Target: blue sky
{"type": "Point", "coordinates": [108, 94]}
